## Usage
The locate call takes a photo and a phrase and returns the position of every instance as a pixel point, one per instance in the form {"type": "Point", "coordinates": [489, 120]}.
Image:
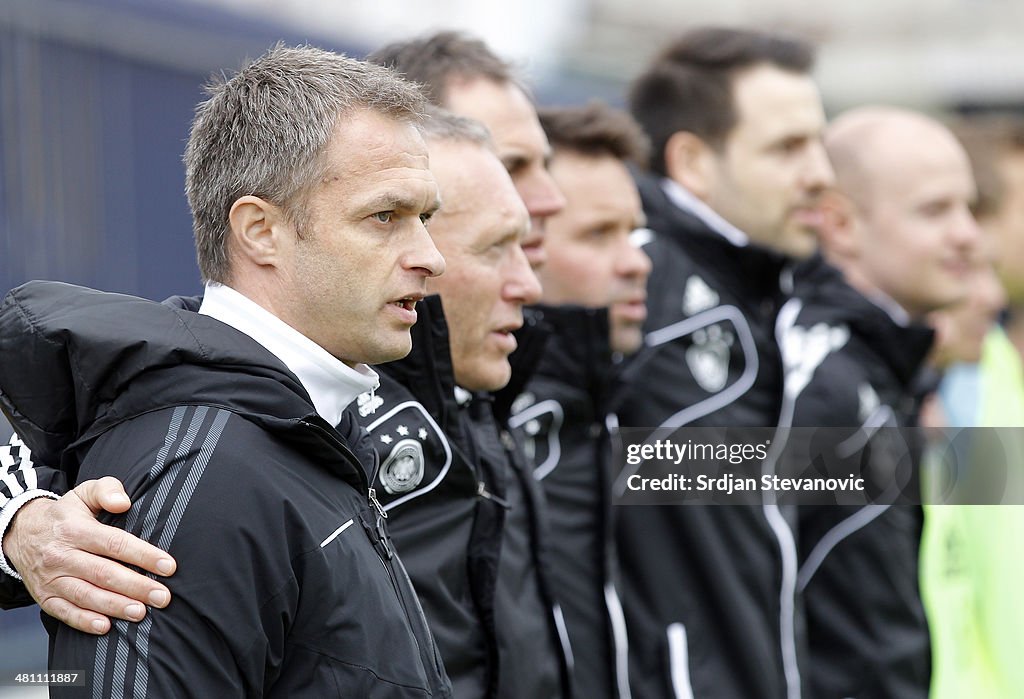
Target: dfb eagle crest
{"type": "Point", "coordinates": [414, 454]}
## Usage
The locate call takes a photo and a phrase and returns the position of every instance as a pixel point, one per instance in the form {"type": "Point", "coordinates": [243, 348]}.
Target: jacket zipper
{"type": "Point", "coordinates": [377, 535]}
{"type": "Point", "coordinates": [379, 542]}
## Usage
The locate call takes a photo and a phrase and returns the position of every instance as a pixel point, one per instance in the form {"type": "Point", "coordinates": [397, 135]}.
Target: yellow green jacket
{"type": "Point", "coordinates": [972, 568]}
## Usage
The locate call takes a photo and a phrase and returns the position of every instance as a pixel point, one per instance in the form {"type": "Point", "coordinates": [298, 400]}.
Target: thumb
{"type": "Point", "coordinates": [106, 494]}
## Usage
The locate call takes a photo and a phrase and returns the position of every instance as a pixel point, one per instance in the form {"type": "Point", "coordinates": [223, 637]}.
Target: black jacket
{"type": "Point", "coordinates": [560, 418]}
{"type": "Point", "coordinates": [287, 583]}
{"type": "Point", "coordinates": [866, 625]}
{"type": "Point", "coordinates": [709, 591]}
{"type": "Point", "coordinates": [18, 475]}
{"type": "Point", "coordinates": [446, 490]}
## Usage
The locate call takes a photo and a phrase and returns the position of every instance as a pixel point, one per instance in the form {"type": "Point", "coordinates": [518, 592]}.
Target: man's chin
{"type": "Point", "coordinates": [399, 348]}
{"type": "Point", "coordinates": [626, 340]}
{"type": "Point", "coordinates": [800, 244]}
{"type": "Point", "coordinates": [489, 378]}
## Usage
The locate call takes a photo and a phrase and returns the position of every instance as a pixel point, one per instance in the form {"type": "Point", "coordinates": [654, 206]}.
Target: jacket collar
{"type": "Point", "coordinates": [88, 360]}
{"type": "Point", "coordinates": [828, 297]}
{"type": "Point", "coordinates": [712, 242]}
{"type": "Point", "coordinates": [683, 199]}
{"type": "Point", "coordinates": [331, 384]}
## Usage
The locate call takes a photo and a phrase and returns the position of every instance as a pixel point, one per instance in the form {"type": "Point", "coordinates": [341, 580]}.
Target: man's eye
{"type": "Point", "coordinates": [384, 216]}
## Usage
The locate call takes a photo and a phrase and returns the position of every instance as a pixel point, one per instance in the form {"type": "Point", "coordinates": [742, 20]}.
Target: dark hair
{"type": "Point", "coordinates": [688, 86]}
{"type": "Point", "coordinates": [596, 130]}
{"type": "Point", "coordinates": [433, 61]}
{"type": "Point", "coordinates": [987, 138]}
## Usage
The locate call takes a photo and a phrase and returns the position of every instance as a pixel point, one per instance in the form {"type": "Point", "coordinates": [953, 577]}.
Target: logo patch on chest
{"type": "Point", "coordinates": [403, 469]}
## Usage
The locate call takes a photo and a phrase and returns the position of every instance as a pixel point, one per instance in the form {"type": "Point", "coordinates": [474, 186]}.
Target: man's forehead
{"type": "Point", "coordinates": [768, 99]}
{"type": "Point", "coordinates": [366, 138]}
{"type": "Point", "coordinates": [593, 177]}
{"type": "Point", "coordinates": [505, 109]}
{"type": "Point", "coordinates": [465, 171]}
{"type": "Point", "coordinates": [383, 169]}
{"type": "Point", "coordinates": [476, 191]}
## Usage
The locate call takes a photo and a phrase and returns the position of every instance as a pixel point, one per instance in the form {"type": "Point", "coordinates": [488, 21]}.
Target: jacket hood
{"type": "Point", "coordinates": [828, 297]}
{"type": "Point", "coordinates": [78, 361]}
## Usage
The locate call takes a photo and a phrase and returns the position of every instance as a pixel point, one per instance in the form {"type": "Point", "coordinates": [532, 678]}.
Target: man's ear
{"type": "Point", "coordinates": [690, 161]}
{"type": "Point", "coordinates": [259, 231]}
{"type": "Point", "coordinates": [840, 223]}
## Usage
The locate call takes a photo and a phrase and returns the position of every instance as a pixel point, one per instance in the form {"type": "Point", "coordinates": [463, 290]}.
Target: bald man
{"type": "Point", "coordinates": [899, 232]}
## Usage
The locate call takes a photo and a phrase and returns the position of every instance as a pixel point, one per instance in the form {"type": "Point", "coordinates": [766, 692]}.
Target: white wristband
{"type": "Point", "coordinates": [7, 515]}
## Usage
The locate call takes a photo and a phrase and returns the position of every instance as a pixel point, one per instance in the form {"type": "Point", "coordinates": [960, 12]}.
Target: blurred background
{"type": "Point", "coordinates": [97, 95]}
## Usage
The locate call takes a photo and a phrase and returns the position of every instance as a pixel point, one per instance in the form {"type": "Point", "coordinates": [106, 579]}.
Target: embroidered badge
{"type": "Point", "coordinates": [403, 469]}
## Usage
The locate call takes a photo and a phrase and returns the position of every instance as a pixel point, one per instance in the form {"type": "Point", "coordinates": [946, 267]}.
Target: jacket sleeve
{"type": "Point", "coordinates": [234, 595]}
{"type": "Point", "coordinates": [21, 481]}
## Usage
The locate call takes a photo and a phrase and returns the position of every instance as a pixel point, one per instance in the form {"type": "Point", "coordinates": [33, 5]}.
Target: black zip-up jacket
{"type": "Point", "coordinates": [866, 624]}
{"type": "Point", "coordinates": [560, 418]}
{"type": "Point", "coordinates": [524, 579]}
{"type": "Point", "coordinates": [446, 494]}
{"type": "Point", "coordinates": [287, 584]}
{"type": "Point", "coordinates": [709, 591]}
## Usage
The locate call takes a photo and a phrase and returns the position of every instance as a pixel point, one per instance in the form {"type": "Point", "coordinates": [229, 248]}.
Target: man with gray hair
{"type": "Point", "coordinates": [442, 460]}
{"type": "Point", "coordinates": [308, 180]}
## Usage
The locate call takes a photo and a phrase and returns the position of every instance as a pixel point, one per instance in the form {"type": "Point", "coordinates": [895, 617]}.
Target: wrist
{"type": "Point", "coordinates": [7, 514]}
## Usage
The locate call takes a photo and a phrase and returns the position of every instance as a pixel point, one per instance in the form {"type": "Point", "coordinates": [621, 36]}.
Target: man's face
{"type": "Point", "coordinates": [915, 232]}
{"type": "Point", "coordinates": [771, 171]}
{"type": "Point", "coordinates": [1008, 225]}
{"type": "Point", "coordinates": [364, 257]}
{"type": "Point", "coordinates": [591, 260]}
{"type": "Point", "coordinates": [480, 230]}
{"type": "Point", "coordinates": [521, 144]}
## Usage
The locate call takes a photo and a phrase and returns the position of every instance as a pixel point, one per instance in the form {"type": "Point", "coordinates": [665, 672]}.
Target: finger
{"type": "Point", "coordinates": [87, 597]}
{"type": "Point", "coordinates": [84, 575]}
{"type": "Point", "coordinates": [105, 494]}
{"type": "Point", "coordinates": [81, 619]}
{"type": "Point", "coordinates": [111, 542]}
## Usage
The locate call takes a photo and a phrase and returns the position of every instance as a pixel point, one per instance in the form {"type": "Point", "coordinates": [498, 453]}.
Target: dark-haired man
{"type": "Point", "coordinates": [464, 76]}
{"type": "Point", "coordinates": [593, 261]}
{"type": "Point", "coordinates": [738, 166]}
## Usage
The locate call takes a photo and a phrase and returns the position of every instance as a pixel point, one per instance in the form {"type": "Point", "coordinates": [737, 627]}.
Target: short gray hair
{"type": "Point", "coordinates": [263, 133]}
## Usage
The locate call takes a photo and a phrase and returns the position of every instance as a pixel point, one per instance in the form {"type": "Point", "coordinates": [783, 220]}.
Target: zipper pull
{"type": "Point", "coordinates": [481, 491]}
{"type": "Point", "coordinates": [372, 495]}
{"type": "Point", "coordinates": [374, 527]}
{"type": "Point", "coordinates": [382, 536]}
